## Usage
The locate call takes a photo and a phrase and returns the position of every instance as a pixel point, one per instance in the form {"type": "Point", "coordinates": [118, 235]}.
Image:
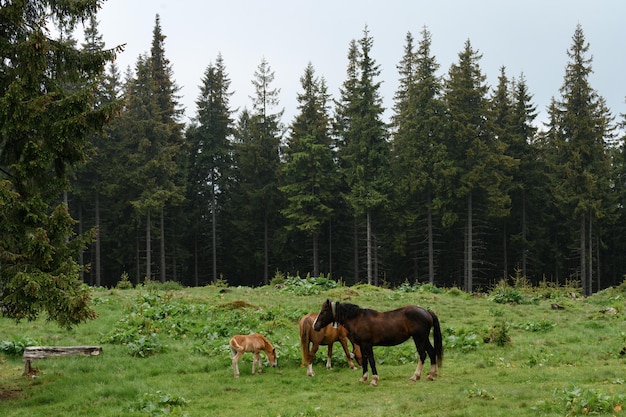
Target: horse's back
{"type": "Point", "coordinates": [392, 327]}
{"type": "Point", "coordinates": [248, 343]}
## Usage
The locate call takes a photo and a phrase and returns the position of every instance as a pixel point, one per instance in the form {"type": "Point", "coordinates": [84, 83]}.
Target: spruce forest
{"type": "Point", "coordinates": [460, 187]}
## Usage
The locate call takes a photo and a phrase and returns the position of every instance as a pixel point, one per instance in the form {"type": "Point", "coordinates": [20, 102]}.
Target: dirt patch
{"type": "Point", "coordinates": [237, 305]}
{"type": "Point", "coordinates": [9, 393]}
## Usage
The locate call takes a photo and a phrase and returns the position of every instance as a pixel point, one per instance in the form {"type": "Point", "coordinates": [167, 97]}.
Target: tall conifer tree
{"type": "Point", "coordinates": [44, 134]}
{"type": "Point", "coordinates": [480, 164]}
{"type": "Point", "coordinates": [582, 165]}
{"type": "Point", "coordinates": [419, 151]}
{"type": "Point", "coordinates": [365, 150]}
{"type": "Point", "coordinates": [210, 156]}
{"type": "Point", "coordinates": [309, 172]}
{"type": "Point", "coordinates": [257, 153]}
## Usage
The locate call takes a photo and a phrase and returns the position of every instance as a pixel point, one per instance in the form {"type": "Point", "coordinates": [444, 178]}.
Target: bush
{"type": "Point", "coordinates": [499, 334]}
{"type": "Point", "coordinates": [16, 347]}
{"type": "Point", "coordinates": [124, 283]}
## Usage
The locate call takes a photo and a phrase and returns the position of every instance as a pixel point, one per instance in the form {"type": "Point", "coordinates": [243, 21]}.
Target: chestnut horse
{"type": "Point", "coordinates": [255, 343]}
{"type": "Point", "coordinates": [326, 336]}
{"type": "Point", "coordinates": [369, 328]}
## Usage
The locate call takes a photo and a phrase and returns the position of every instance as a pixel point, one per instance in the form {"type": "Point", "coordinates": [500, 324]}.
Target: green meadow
{"type": "Point", "coordinates": [513, 350]}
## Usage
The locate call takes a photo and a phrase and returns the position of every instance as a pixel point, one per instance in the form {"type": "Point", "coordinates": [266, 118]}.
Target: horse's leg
{"type": "Point", "coordinates": [305, 353]}
{"type": "Point", "coordinates": [373, 365]}
{"type": "Point", "coordinates": [329, 356]}
{"type": "Point", "coordinates": [423, 349]}
{"type": "Point", "coordinates": [434, 370]}
{"type": "Point", "coordinates": [312, 353]}
{"type": "Point", "coordinates": [235, 360]}
{"type": "Point", "coordinates": [259, 362]}
{"type": "Point", "coordinates": [367, 352]}
{"type": "Point", "coordinates": [344, 344]}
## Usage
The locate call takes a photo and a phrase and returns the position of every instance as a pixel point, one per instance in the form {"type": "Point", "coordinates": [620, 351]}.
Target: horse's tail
{"type": "Point", "coordinates": [438, 339]}
{"type": "Point", "coordinates": [305, 337]}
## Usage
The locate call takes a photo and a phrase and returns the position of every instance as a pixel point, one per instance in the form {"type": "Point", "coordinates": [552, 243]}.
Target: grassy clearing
{"type": "Point", "coordinates": [165, 352]}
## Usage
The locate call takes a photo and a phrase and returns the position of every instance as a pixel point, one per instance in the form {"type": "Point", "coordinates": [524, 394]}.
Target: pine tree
{"type": "Point", "coordinates": [582, 125]}
{"type": "Point", "coordinates": [419, 152]}
{"type": "Point", "coordinates": [257, 159]}
{"type": "Point", "coordinates": [210, 154]}
{"type": "Point", "coordinates": [526, 179]}
{"type": "Point", "coordinates": [86, 186]}
{"type": "Point", "coordinates": [44, 135]}
{"type": "Point", "coordinates": [364, 151]}
{"type": "Point", "coordinates": [309, 172]}
{"type": "Point", "coordinates": [480, 164]}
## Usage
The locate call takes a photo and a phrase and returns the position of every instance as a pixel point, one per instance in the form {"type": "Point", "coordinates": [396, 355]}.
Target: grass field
{"type": "Point", "coordinates": [165, 352]}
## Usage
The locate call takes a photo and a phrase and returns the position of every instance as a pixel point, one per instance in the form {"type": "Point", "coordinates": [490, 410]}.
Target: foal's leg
{"type": "Point", "coordinates": [256, 360]}
{"type": "Point", "coordinates": [236, 358]}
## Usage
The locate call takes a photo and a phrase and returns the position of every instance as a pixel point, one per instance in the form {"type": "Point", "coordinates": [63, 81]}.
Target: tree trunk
{"type": "Point", "coordinates": [356, 251]}
{"type": "Point", "coordinates": [316, 263]}
{"type": "Point", "coordinates": [470, 244]}
{"type": "Point", "coordinates": [162, 221]}
{"type": "Point", "coordinates": [505, 262]}
{"type": "Point", "coordinates": [214, 231]}
{"type": "Point", "coordinates": [148, 248]}
{"type": "Point", "coordinates": [137, 259]}
{"type": "Point", "coordinates": [266, 274]}
{"type": "Point", "coordinates": [329, 271]}
{"type": "Point", "coordinates": [195, 259]}
{"type": "Point", "coordinates": [81, 252]}
{"type": "Point", "coordinates": [369, 249]}
{"type": "Point", "coordinates": [431, 251]}
{"type": "Point", "coordinates": [590, 256]}
{"type": "Point", "coordinates": [583, 255]}
{"type": "Point", "coordinates": [98, 259]}
{"type": "Point", "coordinates": [524, 234]}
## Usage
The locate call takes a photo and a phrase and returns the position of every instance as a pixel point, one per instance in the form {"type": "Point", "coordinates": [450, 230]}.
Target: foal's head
{"type": "Point", "coordinates": [271, 356]}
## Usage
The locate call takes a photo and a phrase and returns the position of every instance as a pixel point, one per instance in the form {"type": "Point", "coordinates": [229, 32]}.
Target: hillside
{"type": "Point", "coordinates": [514, 351]}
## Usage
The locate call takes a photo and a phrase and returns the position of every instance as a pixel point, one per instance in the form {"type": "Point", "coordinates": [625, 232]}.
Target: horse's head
{"type": "Point", "coordinates": [326, 316]}
{"type": "Point", "coordinates": [271, 357]}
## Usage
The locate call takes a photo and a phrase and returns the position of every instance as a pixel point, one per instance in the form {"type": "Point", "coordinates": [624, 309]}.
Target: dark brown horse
{"type": "Point", "coordinates": [369, 328]}
{"type": "Point", "coordinates": [310, 341]}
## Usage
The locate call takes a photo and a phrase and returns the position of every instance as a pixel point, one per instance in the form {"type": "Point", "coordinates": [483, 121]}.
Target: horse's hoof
{"type": "Point", "coordinates": [414, 378]}
{"type": "Point", "coordinates": [363, 379]}
{"type": "Point", "coordinates": [374, 382]}
{"type": "Point", "coordinates": [310, 373]}
{"type": "Point", "coordinates": [430, 377]}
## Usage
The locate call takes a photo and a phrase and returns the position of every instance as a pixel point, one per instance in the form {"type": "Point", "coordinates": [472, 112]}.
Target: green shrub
{"type": "Point", "coordinates": [308, 286]}
{"type": "Point", "coordinates": [144, 346]}
{"type": "Point", "coordinates": [159, 404]}
{"type": "Point", "coordinates": [590, 401]}
{"type": "Point", "coordinates": [464, 340]}
{"type": "Point", "coordinates": [124, 283]}
{"type": "Point", "coordinates": [499, 334]}
{"type": "Point", "coordinates": [16, 347]}
{"type": "Point", "coordinates": [537, 326]}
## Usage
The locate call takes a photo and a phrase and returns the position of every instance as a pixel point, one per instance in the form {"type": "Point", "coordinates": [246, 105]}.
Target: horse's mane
{"type": "Point", "coordinates": [348, 310]}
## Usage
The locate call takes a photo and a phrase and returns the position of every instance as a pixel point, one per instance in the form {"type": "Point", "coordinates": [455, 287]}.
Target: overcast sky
{"type": "Point", "coordinates": [525, 36]}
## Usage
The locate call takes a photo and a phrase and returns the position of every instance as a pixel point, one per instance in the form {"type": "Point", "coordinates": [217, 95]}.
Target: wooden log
{"type": "Point", "coordinates": [43, 352]}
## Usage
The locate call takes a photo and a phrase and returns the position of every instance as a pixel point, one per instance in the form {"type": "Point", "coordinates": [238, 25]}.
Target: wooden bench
{"type": "Point", "coordinates": [43, 352]}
